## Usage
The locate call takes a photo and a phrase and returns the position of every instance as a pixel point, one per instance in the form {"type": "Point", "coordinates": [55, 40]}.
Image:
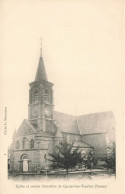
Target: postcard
{"type": "Point", "coordinates": [62, 96]}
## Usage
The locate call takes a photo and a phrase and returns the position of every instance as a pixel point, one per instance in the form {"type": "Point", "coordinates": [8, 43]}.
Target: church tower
{"type": "Point", "coordinates": [40, 108]}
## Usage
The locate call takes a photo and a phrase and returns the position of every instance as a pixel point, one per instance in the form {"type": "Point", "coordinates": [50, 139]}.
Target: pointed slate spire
{"type": "Point", "coordinates": [41, 72]}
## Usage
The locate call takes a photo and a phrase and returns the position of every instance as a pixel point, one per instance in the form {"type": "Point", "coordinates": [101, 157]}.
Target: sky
{"type": "Point", "coordinates": [82, 43]}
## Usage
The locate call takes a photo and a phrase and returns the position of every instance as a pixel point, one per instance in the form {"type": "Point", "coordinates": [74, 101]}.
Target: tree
{"type": "Point", "coordinates": [111, 157]}
{"type": "Point", "coordinates": [66, 156]}
{"type": "Point", "coordinates": [88, 159]}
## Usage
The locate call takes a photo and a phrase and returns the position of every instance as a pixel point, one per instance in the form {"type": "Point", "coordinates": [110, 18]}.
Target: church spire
{"type": "Point", "coordinates": [41, 72]}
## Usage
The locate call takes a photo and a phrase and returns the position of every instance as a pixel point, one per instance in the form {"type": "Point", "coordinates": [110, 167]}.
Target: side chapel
{"type": "Point", "coordinates": [45, 128]}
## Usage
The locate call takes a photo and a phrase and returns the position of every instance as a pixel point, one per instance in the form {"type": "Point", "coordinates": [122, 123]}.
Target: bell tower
{"type": "Point", "coordinates": [40, 108]}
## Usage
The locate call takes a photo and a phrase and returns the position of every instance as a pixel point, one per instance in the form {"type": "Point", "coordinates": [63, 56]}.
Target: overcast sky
{"type": "Point", "coordinates": [82, 51]}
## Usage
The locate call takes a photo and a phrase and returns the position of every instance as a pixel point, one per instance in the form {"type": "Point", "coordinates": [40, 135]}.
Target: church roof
{"type": "Point", "coordinates": [85, 124]}
{"type": "Point", "coordinates": [41, 72]}
{"type": "Point", "coordinates": [66, 123]}
{"type": "Point", "coordinates": [82, 125]}
{"type": "Point", "coordinates": [96, 123]}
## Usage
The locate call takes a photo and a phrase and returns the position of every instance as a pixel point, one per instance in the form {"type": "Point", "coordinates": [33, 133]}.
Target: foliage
{"type": "Point", "coordinates": [88, 159]}
{"type": "Point", "coordinates": [111, 158]}
{"type": "Point", "coordinates": [66, 156]}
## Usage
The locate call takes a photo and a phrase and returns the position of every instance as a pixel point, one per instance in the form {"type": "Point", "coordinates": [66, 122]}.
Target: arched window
{"type": "Point", "coordinates": [17, 145]}
{"type": "Point", "coordinates": [47, 95]}
{"type": "Point", "coordinates": [32, 143]}
{"type": "Point", "coordinates": [35, 95]}
{"type": "Point", "coordinates": [24, 143]}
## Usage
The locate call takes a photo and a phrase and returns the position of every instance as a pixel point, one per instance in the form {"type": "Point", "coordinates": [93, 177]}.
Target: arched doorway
{"type": "Point", "coordinates": [25, 163]}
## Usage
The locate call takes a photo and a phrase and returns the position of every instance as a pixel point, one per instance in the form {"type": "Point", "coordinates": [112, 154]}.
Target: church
{"type": "Point", "coordinates": [38, 135]}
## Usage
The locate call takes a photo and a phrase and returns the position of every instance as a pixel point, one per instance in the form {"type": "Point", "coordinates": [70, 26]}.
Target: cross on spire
{"type": "Point", "coordinates": [41, 72]}
{"type": "Point", "coordinates": [41, 47]}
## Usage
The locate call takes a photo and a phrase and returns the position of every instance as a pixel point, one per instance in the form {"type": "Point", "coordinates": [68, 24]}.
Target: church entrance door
{"type": "Point", "coordinates": [25, 163]}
